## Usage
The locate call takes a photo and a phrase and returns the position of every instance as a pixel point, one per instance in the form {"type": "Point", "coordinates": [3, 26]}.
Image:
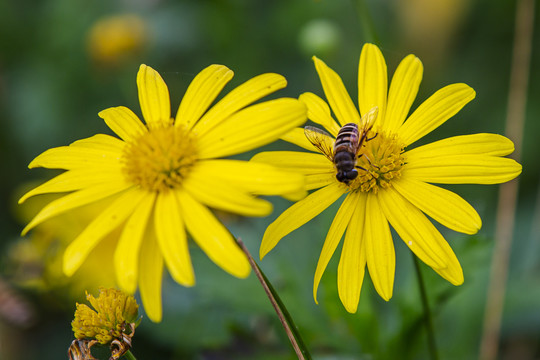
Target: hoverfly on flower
{"type": "Point", "coordinates": [399, 187]}
{"type": "Point", "coordinates": [345, 150]}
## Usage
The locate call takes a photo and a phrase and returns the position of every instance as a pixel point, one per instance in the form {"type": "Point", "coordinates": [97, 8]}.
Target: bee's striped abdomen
{"type": "Point", "coordinates": [345, 149]}
{"type": "Point", "coordinates": [347, 138]}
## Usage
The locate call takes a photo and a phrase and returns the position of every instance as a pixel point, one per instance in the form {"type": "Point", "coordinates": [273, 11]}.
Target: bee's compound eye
{"type": "Point", "coordinates": [352, 174]}
{"type": "Point", "coordinates": [340, 176]}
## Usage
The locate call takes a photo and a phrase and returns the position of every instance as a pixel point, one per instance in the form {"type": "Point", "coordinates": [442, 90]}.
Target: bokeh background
{"type": "Point", "coordinates": [63, 61]}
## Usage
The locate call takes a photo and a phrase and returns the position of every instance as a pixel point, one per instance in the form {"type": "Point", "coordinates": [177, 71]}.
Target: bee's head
{"type": "Point", "coordinates": [346, 176]}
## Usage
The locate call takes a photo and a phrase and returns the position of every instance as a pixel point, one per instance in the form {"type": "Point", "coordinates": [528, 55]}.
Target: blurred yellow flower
{"type": "Point", "coordinates": [393, 185]}
{"type": "Point", "coordinates": [115, 38]}
{"type": "Point", "coordinates": [37, 259]}
{"type": "Point", "coordinates": [162, 177]}
{"type": "Point", "coordinates": [429, 26]}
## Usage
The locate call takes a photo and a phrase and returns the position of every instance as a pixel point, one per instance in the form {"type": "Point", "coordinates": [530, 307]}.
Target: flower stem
{"type": "Point", "coordinates": [366, 22]}
{"type": "Point", "coordinates": [284, 317]}
{"type": "Point", "coordinates": [427, 314]}
{"type": "Point", "coordinates": [129, 356]}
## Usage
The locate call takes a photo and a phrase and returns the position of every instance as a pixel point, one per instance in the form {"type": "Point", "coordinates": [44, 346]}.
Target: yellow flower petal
{"type": "Point", "coordinates": [420, 235]}
{"type": "Point", "coordinates": [74, 200]}
{"type": "Point", "coordinates": [304, 163]}
{"type": "Point", "coordinates": [256, 178]}
{"type": "Point", "coordinates": [200, 94]}
{"type": "Point", "coordinates": [252, 127]}
{"type": "Point", "coordinates": [372, 80]}
{"type": "Point", "coordinates": [413, 228]}
{"type": "Point", "coordinates": [123, 122]}
{"type": "Point", "coordinates": [213, 238]}
{"type": "Point", "coordinates": [463, 169]}
{"type": "Point", "coordinates": [297, 137]}
{"type": "Point", "coordinates": [151, 277]}
{"type": "Point", "coordinates": [104, 223]}
{"type": "Point", "coordinates": [442, 205]}
{"type": "Point", "coordinates": [336, 94]}
{"type": "Point", "coordinates": [172, 239]}
{"type": "Point", "coordinates": [242, 96]}
{"type": "Point", "coordinates": [433, 112]}
{"type": "Point", "coordinates": [453, 273]}
{"type": "Point", "coordinates": [299, 214]}
{"type": "Point", "coordinates": [153, 96]}
{"type": "Point", "coordinates": [126, 255]}
{"type": "Point", "coordinates": [106, 143]}
{"type": "Point", "coordinates": [315, 181]}
{"type": "Point", "coordinates": [339, 224]}
{"type": "Point", "coordinates": [476, 144]}
{"type": "Point", "coordinates": [319, 112]}
{"type": "Point", "coordinates": [218, 194]}
{"type": "Point", "coordinates": [295, 196]}
{"type": "Point", "coordinates": [352, 264]}
{"type": "Point", "coordinates": [75, 180]}
{"type": "Point", "coordinates": [403, 91]}
{"type": "Point", "coordinates": [76, 157]}
{"type": "Point", "coordinates": [379, 247]}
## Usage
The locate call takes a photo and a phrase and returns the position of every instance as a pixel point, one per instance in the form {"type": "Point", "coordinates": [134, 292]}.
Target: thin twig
{"type": "Point", "coordinates": [284, 317]}
{"type": "Point", "coordinates": [432, 344]}
{"type": "Point", "coordinates": [515, 120]}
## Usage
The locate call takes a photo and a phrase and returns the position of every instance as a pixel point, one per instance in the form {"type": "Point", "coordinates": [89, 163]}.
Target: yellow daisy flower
{"type": "Point", "coordinates": [392, 186]}
{"type": "Point", "coordinates": [114, 39]}
{"type": "Point", "coordinates": [162, 176]}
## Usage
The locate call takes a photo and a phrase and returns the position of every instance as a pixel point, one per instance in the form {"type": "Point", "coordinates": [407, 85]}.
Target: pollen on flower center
{"type": "Point", "coordinates": [382, 158]}
{"type": "Point", "coordinates": [161, 158]}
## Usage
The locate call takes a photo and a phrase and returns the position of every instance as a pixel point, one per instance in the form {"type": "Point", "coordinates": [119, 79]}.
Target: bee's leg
{"type": "Point", "coordinates": [371, 138]}
{"type": "Point", "coordinates": [360, 167]}
{"type": "Point", "coordinates": [369, 161]}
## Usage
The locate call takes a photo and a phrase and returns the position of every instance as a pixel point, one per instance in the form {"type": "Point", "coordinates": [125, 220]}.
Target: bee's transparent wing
{"type": "Point", "coordinates": [367, 121]}
{"type": "Point", "coordinates": [321, 140]}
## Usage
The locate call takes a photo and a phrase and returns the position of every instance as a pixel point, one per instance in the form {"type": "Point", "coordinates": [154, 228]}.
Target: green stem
{"type": "Point", "coordinates": [129, 356]}
{"type": "Point", "coordinates": [284, 317]}
{"type": "Point", "coordinates": [432, 345]}
{"type": "Point", "coordinates": [366, 22]}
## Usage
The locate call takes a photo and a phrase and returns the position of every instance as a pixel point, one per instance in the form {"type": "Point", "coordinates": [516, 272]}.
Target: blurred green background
{"type": "Point", "coordinates": [63, 61]}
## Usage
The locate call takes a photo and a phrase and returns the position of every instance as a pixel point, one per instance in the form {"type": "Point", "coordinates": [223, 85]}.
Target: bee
{"type": "Point", "coordinates": [345, 150]}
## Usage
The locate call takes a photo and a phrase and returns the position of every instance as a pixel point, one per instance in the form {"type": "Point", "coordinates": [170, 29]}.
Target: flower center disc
{"type": "Point", "coordinates": [161, 158]}
{"type": "Point", "coordinates": [382, 158]}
